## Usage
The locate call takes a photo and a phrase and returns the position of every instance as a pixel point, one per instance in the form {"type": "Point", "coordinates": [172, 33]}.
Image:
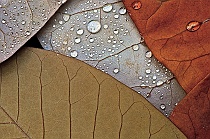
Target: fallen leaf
{"type": "Point", "coordinates": [104, 36]}
{"type": "Point", "coordinates": [20, 20]}
{"type": "Point", "coordinates": [177, 34]}
{"type": "Point", "coordinates": [47, 95]}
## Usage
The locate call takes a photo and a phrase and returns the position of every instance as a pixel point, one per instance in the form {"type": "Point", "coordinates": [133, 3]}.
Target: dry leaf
{"type": "Point", "coordinates": [104, 36]}
{"type": "Point", "coordinates": [177, 34]}
{"type": "Point", "coordinates": [46, 95]}
{"type": "Point", "coordinates": [20, 20]}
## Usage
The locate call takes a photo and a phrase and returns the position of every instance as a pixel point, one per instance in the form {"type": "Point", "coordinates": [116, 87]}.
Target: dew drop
{"type": "Point", "coordinates": [107, 8]}
{"type": "Point", "coordinates": [23, 22]}
{"type": "Point", "coordinates": [77, 40]}
{"type": "Point", "coordinates": [80, 31]}
{"type": "Point", "coordinates": [106, 26]}
{"type": "Point", "coordinates": [65, 42]}
{"type": "Point", "coordinates": [193, 26]}
{"type": "Point", "coordinates": [122, 11]}
{"type": "Point", "coordinates": [91, 40]}
{"type": "Point", "coordinates": [116, 16]}
{"type": "Point", "coordinates": [74, 53]}
{"type": "Point", "coordinates": [116, 31]}
{"type": "Point", "coordinates": [116, 70]}
{"type": "Point", "coordinates": [136, 47]}
{"type": "Point", "coordinates": [162, 106]}
{"type": "Point", "coordinates": [159, 83]}
{"type": "Point", "coordinates": [28, 33]}
{"type": "Point", "coordinates": [3, 21]}
{"type": "Point", "coordinates": [94, 26]}
{"type": "Point", "coordinates": [148, 54]}
{"type": "Point", "coordinates": [148, 71]}
{"type": "Point", "coordinates": [136, 5]}
{"type": "Point", "coordinates": [66, 17]}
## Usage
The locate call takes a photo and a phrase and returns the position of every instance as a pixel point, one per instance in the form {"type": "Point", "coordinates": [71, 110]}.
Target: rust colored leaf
{"type": "Point", "coordinates": [20, 20]}
{"type": "Point", "coordinates": [177, 32]}
{"type": "Point", "coordinates": [46, 95]}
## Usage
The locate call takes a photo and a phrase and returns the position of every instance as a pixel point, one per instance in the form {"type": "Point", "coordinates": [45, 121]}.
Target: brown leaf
{"type": "Point", "coordinates": [177, 34]}
{"type": "Point", "coordinates": [20, 20]}
{"type": "Point", "coordinates": [46, 95]}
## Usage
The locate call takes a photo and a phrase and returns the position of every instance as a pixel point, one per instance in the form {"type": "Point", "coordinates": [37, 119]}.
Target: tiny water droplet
{"type": "Point", "coordinates": [66, 17]}
{"type": "Point", "coordinates": [162, 106]}
{"type": "Point", "coordinates": [122, 11]}
{"type": "Point", "coordinates": [80, 31]}
{"type": "Point", "coordinates": [116, 70]}
{"type": "Point", "coordinates": [74, 53]}
{"type": "Point", "coordinates": [159, 83]}
{"type": "Point", "coordinates": [148, 71]}
{"type": "Point", "coordinates": [148, 54]}
{"type": "Point", "coordinates": [94, 26]}
{"type": "Point", "coordinates": [106, 26]}
{"type": "Point", "coordinates": [136, 5]}
{"type": "Point", "coordinates": [91, 40]}
{"type": "Point", "coordinates": [23, 22]}
{"type": "Point", "coordinates": [136, 47]}
{"type": "Point", "coordinates": [193, 26]}
{"type": "Point", "coordinates": [3, 21]}
{"type": "Point", "coordinates": [116, 16]}
{"type": "Point", "coordinates": [116, 31]}
{"type": "Point", "coordinates": [107, 8]}
{"type": "Point", "coordinates": [77, 40]}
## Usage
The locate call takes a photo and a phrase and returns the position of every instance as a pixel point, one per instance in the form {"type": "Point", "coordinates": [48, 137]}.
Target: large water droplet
{"type": "Point", "coordinates": [122, 11]}
{"type": "Point", "coordinates": [136, 5]}
{"type": "Point", "coordinates": [74, 53]}
{"type": "Point", "coordinates": [162, 106]}
{"type": "Point", "coordinates": [107, 8]}
{"type": "Point", "coordinates": [94, 26]}
{"type": "Point", "coordinates": [193, 26]}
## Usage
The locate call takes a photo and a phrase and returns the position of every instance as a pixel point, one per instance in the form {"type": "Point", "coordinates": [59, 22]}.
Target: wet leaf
{"type": "Point", "coordinates": [20, 20]}
{"type": "Point", "coordinates": [177, 34]}
{"type": "Point", "coordinates": [104, 36]}
{"type": "Point", "coordinates": [46, 95]}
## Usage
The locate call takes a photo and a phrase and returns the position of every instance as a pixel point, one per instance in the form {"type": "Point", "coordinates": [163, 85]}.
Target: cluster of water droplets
{"type": "Point", "coordinates": [19, 20]}
{"type": "Point", "coordinates": [106, 38]}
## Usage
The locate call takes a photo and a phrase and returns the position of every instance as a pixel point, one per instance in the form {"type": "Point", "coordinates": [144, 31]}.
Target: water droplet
{"type": "Point", "coordinates": [77, 40]}
{"type": "Point", "coordinates": [116, 16]}
{"type": "Point", "coordinates": [91, 40]}
{"type": "Point", "coordinates": [106, 26]}
{"type": "Point", "coordinates": [3, 21]}
{"type": "Point", "coordinates": [193, 26]}
{"type": "Point", "coordinates": [136, 5]}
{"type": "Point", "coordinates": [161, 97]}
{"type": "Point", "coordinates": [122, 11]}
{"type": "Point", "coordinates": [136, 47]}
{"type": "Point", "coordinates": [28, 33]}
{"type": "Point", "coordinates": [80, 31]}
{"type": "Point", "coordinates": [116, 31]}
{"type": "Point", "coordinates": [148, 71]}
{"type": "Point", "coordinates": [66, 17]}
{"type": "Point", "coordinates": [159, 83]}
{"type": "Point", "coordinates": [116, 70]}
{"type": "Point", "coordinates": [154, 77]}
{"type": "Point", "coordinates": [74, 53]}
{"type": "Point", "coordinates": [94, 26]}
{"type": "Point", "coordinates": [148, 54]}
{"type": "Point", "coordinates": [107, 8]}
{"type": "Point", "coordinates": [162, 106]}
{"type": "Point", "coordinates": [23, 22]}
{"type": "Point", "coordinates": [65, 42]}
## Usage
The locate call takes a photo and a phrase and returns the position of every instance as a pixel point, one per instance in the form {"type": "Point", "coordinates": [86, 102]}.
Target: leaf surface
{"type": "Point", "coordinates": [20, 20]}
{"type": "Point", "coordinates": [165, 27]}
{"type": "Point", "coordinates": [46, 95]}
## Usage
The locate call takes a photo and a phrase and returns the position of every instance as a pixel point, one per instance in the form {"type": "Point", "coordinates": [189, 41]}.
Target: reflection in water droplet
{"type": "Point", "coordinates": [136, 47]}
{"type": "Point", "coordinates": [136, 5]}
{"type": "Point", "coordinates": [148, 71]}
{"type": "Point", "coordinates": [74, 53]}
{"type": "Point", "coordinates": [162, 106]}
{"type": "Point", "coordinates": [122, 11]}
{"type": "Point", "coordinates": [107, 8]}
{"type": "Point", "coordinates": [193, 26]}
{"type": "Point", "coordinates": [66, 17]}
{"type": "Point", "coordinates": [80, 31]}
{"type": "Point", "coordinates": [77, 40]}
{"type": "Point", "coordinates": [159, 83]}
{"type": "Point", "coordinates": [116, 70]}
{"type": "Point", "coordinates": [148, 54]}
{"type": "Point", "coordinates": [94, 26]}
